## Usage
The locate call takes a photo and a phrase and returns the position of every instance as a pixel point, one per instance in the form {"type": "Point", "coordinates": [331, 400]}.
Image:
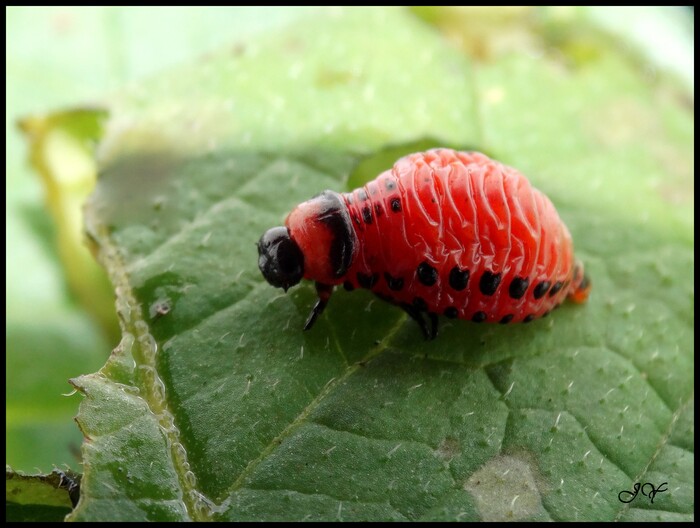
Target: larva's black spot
{"type": "Point", "coordinates": [577, 272]}
{"type": "Point", "coordinates": [585, 282]}
{"type": "Point", "coordinates": [394, 283]}
{"type": "Point", "coordinates": [349, 286]}
{"type": "Point", "coordinates": [420, 304]}
{"type": "Point", "coordinates": [378, 210]}
{"type": "Point", "coordinates": [541, 289]}
{"type": "Point", "coordinates": [459, 278]}
{"type": "Point", "coordinates": [556, 288]}
{"type": "Point", "coordinates": [451, 312]}
{"type": "Point", "coordinates": [479, 317]}
{"type": "Point", "coordinates": [362, 195]}
{"type": "Point", "coordinates": [390, 184]}
{"type": "Point", "coordinates": [396, 205]}
{"type": "Point", "coordinates": [427, 275]}
{"type": "Point", "coordinates": [367, 281]}
{"type": "Point", "coordinates": [367, 215]}
{"type": "Point", "coordinates": [518, 287]}
{"type": "Point", "coordinates": [384, 297]}
{"type": "Point", "coordinates": [506, 319]}
{"type": "Point", "coordinates": [528, 318]}
{"type": "Point", "coordinates": [488, 284]}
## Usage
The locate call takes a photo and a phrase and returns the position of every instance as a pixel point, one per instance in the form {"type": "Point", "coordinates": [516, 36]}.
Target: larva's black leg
{"type": "Point", "coordinates": [433, 325]}
{"type": "Point", "coordinates": [315, 312]}
{"type": "Point", "coordinates": [417, 316]}
{"type": "Point", "coordinates": [324, 292]}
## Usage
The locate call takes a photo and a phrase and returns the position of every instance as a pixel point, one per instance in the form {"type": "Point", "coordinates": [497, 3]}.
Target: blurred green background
{"type": "Point", "coordinates": [63, 57]}
{"type": "Point", "coordinates": [59, 58]}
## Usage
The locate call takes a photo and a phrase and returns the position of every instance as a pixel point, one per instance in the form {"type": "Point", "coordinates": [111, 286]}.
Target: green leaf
{"type": "Point", "coordinates": [216, 406]}
{"type": "Point", "coordinates": [40, 498]}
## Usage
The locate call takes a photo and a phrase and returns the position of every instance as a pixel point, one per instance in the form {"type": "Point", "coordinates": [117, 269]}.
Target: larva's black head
{"type": "Point", "coordinates": [279, 258]}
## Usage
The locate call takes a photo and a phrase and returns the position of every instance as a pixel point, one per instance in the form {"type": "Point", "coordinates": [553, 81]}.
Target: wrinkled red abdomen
{"type": "Point", "coordinates": [459, 234]}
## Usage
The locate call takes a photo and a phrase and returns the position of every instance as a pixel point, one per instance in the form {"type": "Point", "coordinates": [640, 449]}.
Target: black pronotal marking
{"type": "Point", "coordinates": [518, 287]}
{"type": "Point", "coordinates": [367, 281]}
{"type": "Point", "coordinates": [427, 275]}
{"type": "Point", "coordinates": [459, 278]}
{"type": "Point", "coordinates": [479, 317]}
{"type": "Point", "coordinates": [488, 284]}
{"type": "Point", "coordinates": [528, 318]}
{"type": "Point", "coordinates": [335, 215]}
{"type": "Point", "coordinates": [348, 286]}
{"type": "Point", "coordinates": [394, 283]}
{"type": "Point", "coordinates": [396, 205]}
{"type": "Point", "coordinates": [541, 289]}
{"type": "Point", "coordinates": [367, 214]}
{"type": "Point", "coordinates": [451, 312]}
{"type": "Point", "coordinates": [420, 304]}
{"type": "Point", "coordinates": [556, 288]}
{"type": "Point", "coordinates": [506, 319]}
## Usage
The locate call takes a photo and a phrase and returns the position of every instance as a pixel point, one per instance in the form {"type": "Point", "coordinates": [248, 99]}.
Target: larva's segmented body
{"type": "Point", "coordinates": [442, 232]}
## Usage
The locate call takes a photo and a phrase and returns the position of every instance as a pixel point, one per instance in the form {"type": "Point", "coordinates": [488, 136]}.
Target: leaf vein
{"type": "Point", "coordinates": [306, 412]}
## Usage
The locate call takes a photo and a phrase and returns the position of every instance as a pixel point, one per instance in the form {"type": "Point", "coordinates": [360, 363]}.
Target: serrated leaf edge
{"type": "Point", "coordinates": [152, 388]}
